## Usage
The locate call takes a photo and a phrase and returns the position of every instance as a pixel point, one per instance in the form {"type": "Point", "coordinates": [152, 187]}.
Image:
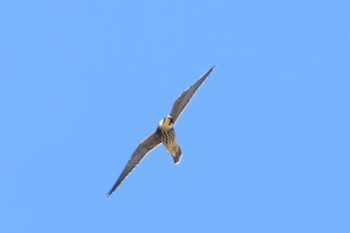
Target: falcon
{"type": "Point", "coordinates": [164, 133]}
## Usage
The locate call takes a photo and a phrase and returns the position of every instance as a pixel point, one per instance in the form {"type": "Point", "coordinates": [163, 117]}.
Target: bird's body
{"type": "Point", "coordinates": [168, 137]}
{"type": "Point", "coordinates": [164, 133]}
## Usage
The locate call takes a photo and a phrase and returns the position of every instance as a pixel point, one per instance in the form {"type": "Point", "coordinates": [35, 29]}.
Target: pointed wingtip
{"type": "Point", "coordinates": [110, 192]}
{"type": "Point", "coordinates": [211, 69]}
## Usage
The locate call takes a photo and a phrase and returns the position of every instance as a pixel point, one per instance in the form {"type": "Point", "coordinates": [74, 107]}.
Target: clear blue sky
{"type": "Point", "coordinates": [265, 140]}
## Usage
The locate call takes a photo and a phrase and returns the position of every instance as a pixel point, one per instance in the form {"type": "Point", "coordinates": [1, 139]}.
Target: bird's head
{"type": "Point", "coordinates": [167, 122]}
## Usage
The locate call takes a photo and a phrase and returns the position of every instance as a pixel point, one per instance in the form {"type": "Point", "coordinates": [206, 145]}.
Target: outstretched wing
{"type": "Point", "coordinates": [144, 148]}
{"type": "Point", "coordinates": [185, 97]}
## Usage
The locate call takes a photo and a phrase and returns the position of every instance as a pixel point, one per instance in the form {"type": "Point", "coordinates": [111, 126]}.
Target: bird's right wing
{"type": "Point", "coordinates": [182, 101]}
{"type": "Point", "coordinates": [141, 151]}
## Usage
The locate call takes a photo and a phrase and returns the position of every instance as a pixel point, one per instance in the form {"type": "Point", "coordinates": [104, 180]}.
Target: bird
{"type": "Point", "coordinates": [164, 133]}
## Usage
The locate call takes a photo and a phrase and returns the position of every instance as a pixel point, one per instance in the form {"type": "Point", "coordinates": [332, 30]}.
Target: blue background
{"type": "Point", "coordinates": [265, 140]}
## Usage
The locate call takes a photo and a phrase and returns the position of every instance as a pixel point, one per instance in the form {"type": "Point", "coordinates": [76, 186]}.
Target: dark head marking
{"type": "Point", "coordinates": [171, 120]}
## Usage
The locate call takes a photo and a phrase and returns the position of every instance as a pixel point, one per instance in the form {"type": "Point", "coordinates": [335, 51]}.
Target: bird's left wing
{"type": "Point", "coordinates": [141, 151]}
{"type": "Point", "coordinates": [182, 101]}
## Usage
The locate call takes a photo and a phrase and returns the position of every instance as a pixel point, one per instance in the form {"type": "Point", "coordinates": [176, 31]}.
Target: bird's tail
{"type": "Point", "coordinates": [177, 156]}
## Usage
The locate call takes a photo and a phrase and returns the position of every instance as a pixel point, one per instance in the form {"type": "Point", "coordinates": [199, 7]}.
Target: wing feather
{"type": "Point", "coordinates": [141, 151]}
{"type": "Point", "coordinates": [183, 99]}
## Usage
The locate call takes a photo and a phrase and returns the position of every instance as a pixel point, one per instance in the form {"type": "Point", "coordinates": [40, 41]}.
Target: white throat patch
{"type": "Point", "coordinates": [166, 123]}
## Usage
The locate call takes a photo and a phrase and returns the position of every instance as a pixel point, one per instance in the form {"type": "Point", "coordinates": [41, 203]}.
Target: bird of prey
{"type": "Point", "coordinates": [164, 133]}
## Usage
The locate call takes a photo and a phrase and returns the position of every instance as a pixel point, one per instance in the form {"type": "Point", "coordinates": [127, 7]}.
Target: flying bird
{"type": "Point", "coordinates": [164, 133]}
